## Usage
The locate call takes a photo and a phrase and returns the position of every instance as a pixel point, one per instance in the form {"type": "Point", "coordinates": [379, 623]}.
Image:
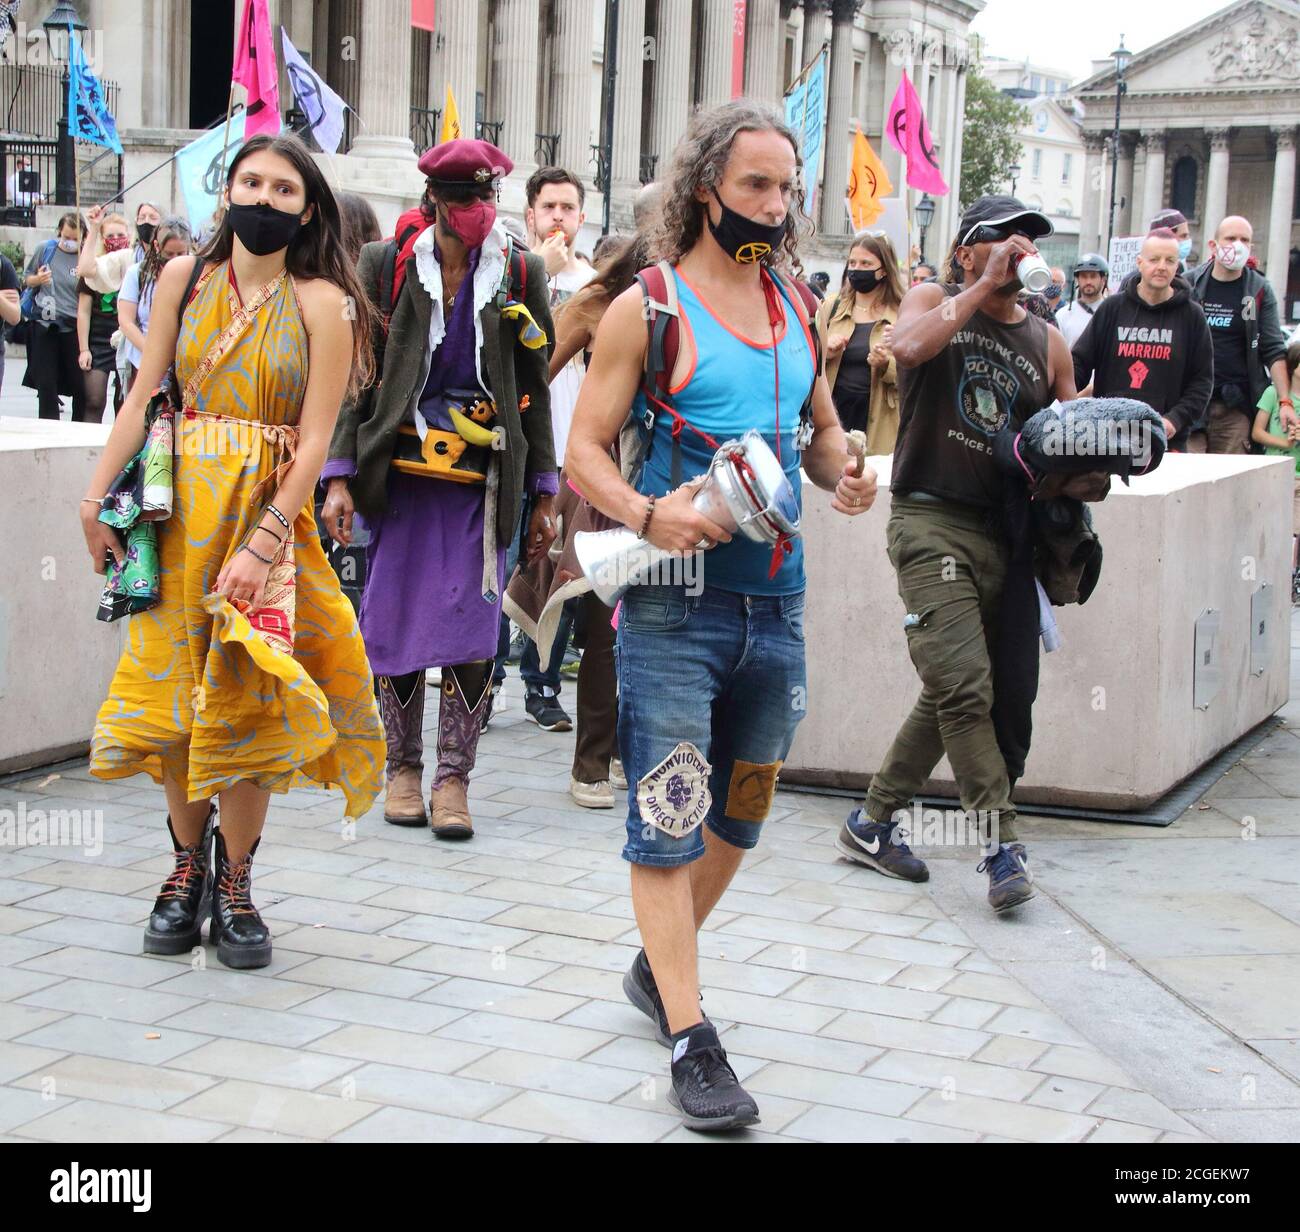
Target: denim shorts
{"type": "Point", "coordinates": [711, 688]}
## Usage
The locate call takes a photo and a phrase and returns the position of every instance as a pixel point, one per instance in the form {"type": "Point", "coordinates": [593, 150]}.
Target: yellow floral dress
{"type": "Point", "coordinates": [200, 693]}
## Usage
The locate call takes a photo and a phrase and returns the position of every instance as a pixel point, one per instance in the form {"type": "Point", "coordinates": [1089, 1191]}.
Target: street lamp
{"type": "Point", "coordinates": [1014, 171]}
{"type": "Point", "coordinates": [924, 217]}
{"type": "Point", "coordinates": [61, 17]}
{"type": "Point", "coordinates": [1121, 55]}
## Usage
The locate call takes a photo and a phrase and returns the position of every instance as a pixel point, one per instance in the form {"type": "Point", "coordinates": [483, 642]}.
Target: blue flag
{"type": "Point", "coordinates": [201, 173]}
{"type": "Point", "coordinates": [322, 107]}
{"type": "Point", "coordinates": [88, 116]}
{"type": "Point", "coordinates": [805, 112]}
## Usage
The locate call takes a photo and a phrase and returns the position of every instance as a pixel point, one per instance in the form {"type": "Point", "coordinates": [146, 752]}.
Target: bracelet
{"type": "Point", "coordinates": [645, 522]}
{"type": "Point", "coordinates": [266, 560]}
{"type": "Point", "coordinates": [269, 531]}
{"type": "Point", "coordinates": [279, 517]}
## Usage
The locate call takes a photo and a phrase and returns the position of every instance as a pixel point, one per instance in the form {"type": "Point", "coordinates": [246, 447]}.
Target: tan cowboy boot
{"type": "Point", "coordinates": [403, 801]}
{"type": "Point", "coordinates": [449, 810]}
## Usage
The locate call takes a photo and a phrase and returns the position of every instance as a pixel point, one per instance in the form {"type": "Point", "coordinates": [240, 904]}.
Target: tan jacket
{"type": "Point", "coordinates": [835, 320]}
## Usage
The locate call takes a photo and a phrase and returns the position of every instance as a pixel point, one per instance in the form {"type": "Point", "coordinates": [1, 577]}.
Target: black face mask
{"type": "Point", "coordinates": [144, 231]}
{"type": "Point", "coordinates": [743, 239]}
{"type": "Point", "coordinates": [263, 229]}
{"type": "Point", "coordinates": [864, 280]}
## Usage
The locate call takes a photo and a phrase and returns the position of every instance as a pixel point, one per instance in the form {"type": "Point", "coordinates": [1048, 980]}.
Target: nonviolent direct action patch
{"type": "Point", "coordinates": [674, 797]}
{"type": "Point", "coordinates": [749, 798]}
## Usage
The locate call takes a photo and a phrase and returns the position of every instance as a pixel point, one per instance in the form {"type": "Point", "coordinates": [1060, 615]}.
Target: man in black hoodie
{"type": "Point", "coordinates": [1151, 342]}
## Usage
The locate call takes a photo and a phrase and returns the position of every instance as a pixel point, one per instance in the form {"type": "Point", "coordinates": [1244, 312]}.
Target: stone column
{"type": "Point", "coordinates": [815, 33]}
{"type": "Point", "coordinates": [1216, 182]}
{"type": "Point", "coordinates": [1153, 181]}
{"type": "Point", "coordinates": [765, 32]}
{"type": "Point", "coordinates": [627, 96]}
{"type": "Point", "coordinates": [1124, 207]}
{"type": "Point", "coordinates": [386, 82]}
{"type": "Point", "coordinates": [672, 86]}
{"type": "Point", "coordinates": [458, 25]}
{"type": "Point", "coordinates": [571, 85]}
{"type": "Point", "coordinates": [517, 39]}
{"type": "Point", "coordinates": [837, 143]}
{"type": "Point", "coordinates": [946, 121]}
{"type": "Point", "coordinates": [1094, 178]}
{"type": "Point", "coordinates": [715, 53]}
{"type": "Point", "coordinates": [1277, 259]}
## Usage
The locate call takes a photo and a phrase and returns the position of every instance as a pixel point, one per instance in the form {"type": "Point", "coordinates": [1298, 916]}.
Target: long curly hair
{"type": "Point", "coordinates": [699, 161]}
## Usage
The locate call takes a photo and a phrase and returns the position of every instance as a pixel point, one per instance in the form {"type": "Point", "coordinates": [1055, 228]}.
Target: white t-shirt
{"type": "Point", "coordinates": [564, 389]}
{"type": "Point", "coordinates": [1073, 320]}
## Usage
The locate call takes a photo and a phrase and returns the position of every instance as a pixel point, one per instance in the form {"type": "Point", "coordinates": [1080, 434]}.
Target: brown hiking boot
{"type": "Point", "coordinates": [449, 810]}
{"type": "Point", "coordinates": [403, 801]}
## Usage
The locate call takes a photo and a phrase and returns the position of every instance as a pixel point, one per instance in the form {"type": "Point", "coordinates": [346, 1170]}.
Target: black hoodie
{"type": "Point", "coordinates": [1161, 354]}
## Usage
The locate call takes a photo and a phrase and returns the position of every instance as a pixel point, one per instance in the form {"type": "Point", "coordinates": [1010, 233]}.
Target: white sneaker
{"type": "Point", "coordinates": [617, 779]}
{"type": "Point", "coordinates": [592, 795]}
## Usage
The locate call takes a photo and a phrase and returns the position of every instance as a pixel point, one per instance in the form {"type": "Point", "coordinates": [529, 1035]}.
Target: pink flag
{"type": "Point", "coordinates": [910, 136]}
{"type": "Point", "coordinates": [256, 71]}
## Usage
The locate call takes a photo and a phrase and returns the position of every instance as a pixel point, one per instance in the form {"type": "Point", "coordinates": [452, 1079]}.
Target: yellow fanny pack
{"type": "Point", "coordinates": [462, 455]}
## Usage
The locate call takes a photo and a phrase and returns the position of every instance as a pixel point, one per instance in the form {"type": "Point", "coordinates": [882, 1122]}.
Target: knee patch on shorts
{"type": "Point", "coordinates": [749, 798]}
{"type": "Point", "coordinates": [674, 797]}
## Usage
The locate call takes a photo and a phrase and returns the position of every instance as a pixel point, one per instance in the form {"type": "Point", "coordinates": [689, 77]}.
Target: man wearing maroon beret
{"type": "Point", "coordinates": [437, 457]}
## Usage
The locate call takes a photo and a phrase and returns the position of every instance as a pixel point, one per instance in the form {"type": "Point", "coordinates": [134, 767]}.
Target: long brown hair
{"type": "Point", "coordinates": [167, 230]}
{"type": "Point", "coordinates": [317, 249]}
{"type": "Point", "coordinates": [699, 161]}
{"type": "Point", "coordinates": [877, 243]}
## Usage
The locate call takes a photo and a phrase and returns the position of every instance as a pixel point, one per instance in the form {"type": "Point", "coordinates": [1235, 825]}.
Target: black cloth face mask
{"type": "Point", "coordinates": [864, 280]}
{"type": "Point", "coordinates": [144, 231]}
{"type": "Point", "coordinates": [263, 229]}
{"type": "Point", "coordinates": [743, 239]}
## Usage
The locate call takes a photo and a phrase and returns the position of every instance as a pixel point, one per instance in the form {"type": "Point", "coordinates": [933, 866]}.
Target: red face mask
{"type": "Point", "coordinates": [115, 243]}
{"type": "Point", "coordinates": [472, 222]}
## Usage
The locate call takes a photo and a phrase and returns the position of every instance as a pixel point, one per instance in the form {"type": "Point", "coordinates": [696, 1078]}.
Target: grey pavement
{"type": "Point", "coordinates": [432, 991]}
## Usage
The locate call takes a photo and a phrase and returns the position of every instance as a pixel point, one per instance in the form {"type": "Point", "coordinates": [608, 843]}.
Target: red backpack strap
{"type": "Point", "coordinates": [663, 327]}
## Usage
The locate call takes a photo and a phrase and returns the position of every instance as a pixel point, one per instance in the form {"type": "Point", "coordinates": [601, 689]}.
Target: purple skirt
{"type": "Point", "coordinates": [423, 604]}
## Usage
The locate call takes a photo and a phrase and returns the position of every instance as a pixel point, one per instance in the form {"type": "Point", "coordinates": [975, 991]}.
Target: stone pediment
{"type": "Point", "coordinates": [1252, 45]}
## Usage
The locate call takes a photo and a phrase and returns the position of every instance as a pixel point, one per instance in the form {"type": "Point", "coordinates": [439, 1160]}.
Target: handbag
{"type": "Point", "coordinates": [458, 443]}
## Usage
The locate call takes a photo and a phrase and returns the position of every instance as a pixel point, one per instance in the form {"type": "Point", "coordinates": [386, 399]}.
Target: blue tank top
{"type": "Point", "coordinates": [732, 388]}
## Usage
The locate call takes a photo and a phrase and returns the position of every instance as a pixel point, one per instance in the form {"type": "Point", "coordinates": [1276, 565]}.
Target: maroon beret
{"type": "Point", "coordinates": [465, 161]}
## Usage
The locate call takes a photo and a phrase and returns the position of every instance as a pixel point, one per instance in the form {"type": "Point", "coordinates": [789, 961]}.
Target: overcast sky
{"type": "Point", "coordinates": [1069, 35]}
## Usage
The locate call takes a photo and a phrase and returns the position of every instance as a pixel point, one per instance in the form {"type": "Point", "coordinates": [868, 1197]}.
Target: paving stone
{"type": "Point", "coordinates": [1066, 1094]}
{"type": "Point", "coordinates": [933, 953]}
{"type": "Point", "coordinates": [15, 982]}
{"type": "Point", "coordinates": [109, 1001]}
{"type": "Point", "coordinates": [447, 880]}
{"type": "Point", "coordinates": [19, 1107]}
{"type": "Point", "coordinates": [585, 982]}
{"type": "Point", "coordinates": [1082, 1063]}
{"type": "Point", "coordinates": [358, 917]}
{"type": "Point", "coordinates": [881, 1031]}
{"type": "Point", "coordinates": [502, 999]}
{"type": "Point", "coordinates": [424, 1091]}
{"type": "Point", "coordinates": [218, 983]}
{"type": "Point", "coordinates": [438, 903]}
{"type": "Point", "coordinates": [583, 1119]}
{"type": "Point", "coordinates": [1035, 1024]}
{"type": "Point", "coordinates": [995, 1116]}
{"type": "Point", "coordinates": [263, 1063]}
{"type": "Point", "coordinates": [304, 1114]}
{"type": "Point", "coordinates": [371, 977]}
{"type": "Point", "coordinates": [102, 1037]}
{"type": "Point", "coordinates": [812, 961]}
{"type": "Point", "coordinates": [779, 1013]}
{"type": "Point", "coordinates": [16, 890]}
{"type": "Point", "coordinates": [954, 1076]}
{"type": "Point", "coordinates": [830, 1124]}
{"type": "Point", "coordinates": [403, 1048]}
{"type": "Point", "coordinates": [15, 950]}
{"type": "Point", "coordinates": [1011, 1051]}
{"type": "Point", "coordinates": [579, 951]}
{"type": "Point", "coordinates": [496, 965]}
{"type": "Point", "coordinates": [85, 1120]}
{"type": "Point", "coordinates": [378, 1011]}
{"type": "Point", "coordinates": [16, 919]}
{"type": "Point", "coordinates": [884, 923]}
{"type": "Point", "coordinates": [1140, 1108]}
{"type": "Point", "coordinates": [548, 1038]}
{"type": "Point", "coordinates": [581, 1079]}
{"type": "Point", "coordinates": [340, 943]}
{"type": "Point", "coordinates": [566, 898]}
{"type": "Point", "coordinates": [283, 882]}
{"type": "Point", "coordinates": [562, 923]}
{"type": "Point", "coordinates": [19, 1059]}
{"type": "Point", "coordinates": [998, 988]}
{"type": "Point", "coordinates": [799, 1049]}
{"type": "Point", "coordinates": [98, 877]}
{"type": "Point", "coordinates": [820, 1086]}
{"type": "Point", "coordinates": [1118, 1131]}
{"type": "Point", "coordinates": [406, 1125]}
{"type": "Point", "coordinates": [963, 1012]}
{"type": "Point", "coordinates": [875, 998]}
{"type": "Point", "coordinates": [135, 971]}
{"type": "Point", "coordinates": [775, 1111]}
{"type": "Point", "coordinates": [90, 934]}
{"type": "Point", "coordinates": [116, 1082]}
{"type": "Point", "coordinates": [246, 1022]}
{"type": "Point", "coordinates": [465, 934]}
{"type": "Point", "coordinates": [790, 933]}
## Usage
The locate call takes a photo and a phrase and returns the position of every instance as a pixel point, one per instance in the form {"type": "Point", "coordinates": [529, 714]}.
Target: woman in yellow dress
{"type": "Point", "coordinates": [249, 676]}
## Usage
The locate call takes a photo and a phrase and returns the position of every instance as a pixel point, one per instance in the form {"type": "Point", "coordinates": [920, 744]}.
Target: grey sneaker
{"type": "Point", "coordinates": [878, 845]}
{"type": "Point", "coordinates": [1010, 882]}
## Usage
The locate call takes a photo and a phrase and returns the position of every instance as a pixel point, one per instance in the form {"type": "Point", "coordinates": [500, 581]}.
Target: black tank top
{"type": "Point", "coordinates": [951, 407]}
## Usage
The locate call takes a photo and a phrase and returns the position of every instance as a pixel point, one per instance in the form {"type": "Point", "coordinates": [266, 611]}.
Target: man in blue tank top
{"type": "Point", "coordinates": [711, 678]}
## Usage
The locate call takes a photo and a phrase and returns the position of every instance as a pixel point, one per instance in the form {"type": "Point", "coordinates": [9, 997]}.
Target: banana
{"type": "Point", "coordinates": [474, 433]}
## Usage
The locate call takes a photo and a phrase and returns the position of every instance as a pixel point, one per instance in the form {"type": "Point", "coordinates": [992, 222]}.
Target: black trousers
{"type": "Point", "coordinates": [52, 367]}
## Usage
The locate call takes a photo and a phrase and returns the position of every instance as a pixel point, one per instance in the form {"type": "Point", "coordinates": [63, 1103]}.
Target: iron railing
{"type": "Point", "coordinates": [22, 190]}
{"type": "Point", "coordinates": [426, 123]}
{"type": "Point", "coordinates": [648, 164]}
{"type": "Point", "coordinates": [33, 98]}
{"type": "Point", "coordinates": [548, 149]}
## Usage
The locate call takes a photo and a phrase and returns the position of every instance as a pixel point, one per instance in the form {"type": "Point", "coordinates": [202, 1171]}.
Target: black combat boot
{"type": "Point", "coordinates": [242, 940]}
{"type": "Point", "coordinates": [176, 923]}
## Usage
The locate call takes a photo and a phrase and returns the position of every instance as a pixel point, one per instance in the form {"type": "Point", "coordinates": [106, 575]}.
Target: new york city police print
{"type": "Point", "coordinates": [674, 797]}
{"type": "Point", "coordinates": [990, 381]}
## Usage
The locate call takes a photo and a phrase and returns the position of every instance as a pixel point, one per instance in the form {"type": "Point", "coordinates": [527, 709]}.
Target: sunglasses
{"type": "Point", "coordinates": [984, 233]}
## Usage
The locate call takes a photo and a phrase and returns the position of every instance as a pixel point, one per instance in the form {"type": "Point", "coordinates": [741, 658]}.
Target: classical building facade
{"type": "Point", "coordinates": [1208, 125]}
{"type": "Point", "coordinates": [1051, 172]}
{"type": "Point", "coordinates": [531, 73]}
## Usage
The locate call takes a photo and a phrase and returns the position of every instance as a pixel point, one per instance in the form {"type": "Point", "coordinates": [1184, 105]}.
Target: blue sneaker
{"type": "Point", "coordinates": [1010, 882]}
{"type": "Point", "coordinates": [878, 845]}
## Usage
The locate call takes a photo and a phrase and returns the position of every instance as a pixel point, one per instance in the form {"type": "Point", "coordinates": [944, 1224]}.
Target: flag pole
{"type": "Point", "coordinates": [225, 137]}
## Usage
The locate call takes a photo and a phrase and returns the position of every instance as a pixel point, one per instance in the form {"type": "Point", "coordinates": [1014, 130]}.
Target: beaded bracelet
{"type": "Point", "coordinates": [266, 560]}
{"type": "Point", "coordinates": [645, 522]}
{"type": "Point", "coordinates": [279, 517]}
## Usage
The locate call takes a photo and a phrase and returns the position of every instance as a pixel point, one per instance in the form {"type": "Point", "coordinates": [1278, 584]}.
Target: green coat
{"type": "Point", "coordinates": [367, 425]}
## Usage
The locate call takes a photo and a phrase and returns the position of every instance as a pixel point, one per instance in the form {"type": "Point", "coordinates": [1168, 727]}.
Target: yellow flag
{"type": "Point", "coordinates": [868, 184]}
{"type": "Point", "coordinates": [450, 119]}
